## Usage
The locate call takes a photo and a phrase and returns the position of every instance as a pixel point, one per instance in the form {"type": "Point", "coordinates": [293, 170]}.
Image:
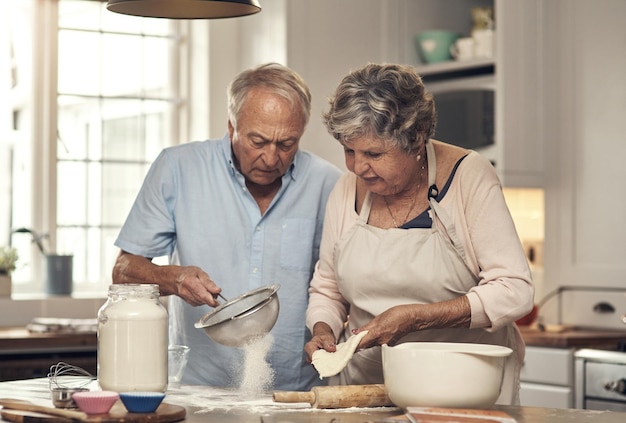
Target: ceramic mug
{"type": "Point", "coordinates": [463, 49]}
{"type": "Point", "coordinates": [483, 42]}
{"type": "Point", "coordinates": [434, 46]}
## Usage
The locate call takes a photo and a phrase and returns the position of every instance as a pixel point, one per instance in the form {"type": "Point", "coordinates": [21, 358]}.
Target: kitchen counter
{"type": "Point", "coordinates": [559, 337]}
{"type": "Point", "coordinates": [206, 404]}
{"type": "Point", "coordinates": [20, 340]}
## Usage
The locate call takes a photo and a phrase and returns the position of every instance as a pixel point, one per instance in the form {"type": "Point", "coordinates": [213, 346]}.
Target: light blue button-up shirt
{"type": "Point", "coordinates": [194, 207]}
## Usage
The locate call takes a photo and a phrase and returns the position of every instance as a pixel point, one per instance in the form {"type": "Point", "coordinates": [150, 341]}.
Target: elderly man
{"type": "Point", "coordinates": [233, 215]}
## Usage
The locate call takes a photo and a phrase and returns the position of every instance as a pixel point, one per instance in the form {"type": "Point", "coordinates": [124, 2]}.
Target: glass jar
{"type": "Point", "coordinates": [132, 339]}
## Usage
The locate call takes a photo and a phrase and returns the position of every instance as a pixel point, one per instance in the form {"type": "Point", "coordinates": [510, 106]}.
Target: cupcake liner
{"type": "Point", "coordinates": [141, 402]}
{"type": "Point", "coordinates": [95, 402]}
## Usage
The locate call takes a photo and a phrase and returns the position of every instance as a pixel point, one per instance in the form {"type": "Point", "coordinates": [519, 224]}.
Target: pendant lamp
{"type": "Point", "coordinates": [185, 9]}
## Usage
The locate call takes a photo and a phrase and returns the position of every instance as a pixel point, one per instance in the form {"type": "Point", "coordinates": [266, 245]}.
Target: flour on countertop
{"type": "Point", "coordinates": [207, 399]}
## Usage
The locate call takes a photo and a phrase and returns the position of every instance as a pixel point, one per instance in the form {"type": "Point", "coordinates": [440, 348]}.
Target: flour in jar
{"type": "Point", "coordinates": [132, 342]}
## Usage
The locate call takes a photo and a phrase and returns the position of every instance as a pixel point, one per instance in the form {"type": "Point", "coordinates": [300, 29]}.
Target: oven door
{"type": "Point", "coordinates": [600, 380]}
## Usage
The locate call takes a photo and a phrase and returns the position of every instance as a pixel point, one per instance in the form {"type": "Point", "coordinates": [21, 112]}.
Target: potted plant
{"type": "Point", "coordinates": [59, 267]}
{"type": "Point", "coordinates": [8, 258]}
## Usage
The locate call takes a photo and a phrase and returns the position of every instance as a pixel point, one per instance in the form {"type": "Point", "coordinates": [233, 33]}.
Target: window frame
{"type": "Point", "coordinates": [44, 132]}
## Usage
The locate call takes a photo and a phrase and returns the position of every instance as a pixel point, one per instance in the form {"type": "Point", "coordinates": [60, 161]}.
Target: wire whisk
{"type": "Point", "coordinates": [68, 376]}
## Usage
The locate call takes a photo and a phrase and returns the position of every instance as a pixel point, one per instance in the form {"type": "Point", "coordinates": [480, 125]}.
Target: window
{"type": "Point", "coordinates": [94, 99]}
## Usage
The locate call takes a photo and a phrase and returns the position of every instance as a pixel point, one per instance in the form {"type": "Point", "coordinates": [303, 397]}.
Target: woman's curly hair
{"type": "Point", "coordinates": [388, 101]}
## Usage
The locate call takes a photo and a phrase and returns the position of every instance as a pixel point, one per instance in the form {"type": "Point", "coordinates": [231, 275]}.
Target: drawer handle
{"type": "Point", "coordinates": [618, 386]}
{"type": "Point", "coordinates": [604, 308]}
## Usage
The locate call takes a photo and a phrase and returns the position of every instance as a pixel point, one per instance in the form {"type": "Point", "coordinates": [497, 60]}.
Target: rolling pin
{"type": "Point", "coordinates": [343, 396]}
{"type": "Point", "coordinates": [15, 404]}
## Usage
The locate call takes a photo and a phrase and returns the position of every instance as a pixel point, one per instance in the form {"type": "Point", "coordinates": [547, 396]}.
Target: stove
{"type": "Point", "coordinates": [600, 371]}
{"type": "Point", "coordinates": [600, 379]}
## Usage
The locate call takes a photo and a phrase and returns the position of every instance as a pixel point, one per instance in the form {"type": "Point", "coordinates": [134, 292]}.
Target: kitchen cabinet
{"type": "Point", "coordinates": [26, 355]}
{"type": "Point", "coordinates": [585, 105]}
{"type": "Point", "coordinates": [356, 32]}
{"type": "Point", "coordinates": [547, 378]}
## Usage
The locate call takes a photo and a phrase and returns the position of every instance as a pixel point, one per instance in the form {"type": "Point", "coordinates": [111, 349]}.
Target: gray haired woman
{"type": "Point", "coordinates": [418, 243]}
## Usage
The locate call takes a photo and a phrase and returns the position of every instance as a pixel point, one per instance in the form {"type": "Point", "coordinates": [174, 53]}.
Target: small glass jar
{"type": "Point", "coordinates": [132, 339]}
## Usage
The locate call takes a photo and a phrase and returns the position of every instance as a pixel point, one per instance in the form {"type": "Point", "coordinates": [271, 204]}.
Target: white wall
{"type": "Point", "coordinates": [220, 49]}
{"type": "Point", "coordinates": [322, 40]}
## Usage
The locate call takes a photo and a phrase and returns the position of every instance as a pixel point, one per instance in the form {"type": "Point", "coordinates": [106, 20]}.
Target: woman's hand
{"type": "Point", "coordinates": [389, 326]}
{"type": "Point", "coordinates": [323, 339]}
{"type": "Point", "coordinates": [393, 324]}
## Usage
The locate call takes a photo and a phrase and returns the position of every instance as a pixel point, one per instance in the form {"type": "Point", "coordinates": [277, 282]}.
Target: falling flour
{"type": "Point", "coordinates": [256, 374]}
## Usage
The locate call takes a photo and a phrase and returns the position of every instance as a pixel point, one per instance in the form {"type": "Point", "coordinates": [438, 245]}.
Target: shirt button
{"type": "Point", "coordinates": [255, 270]}
{"type": "Point", "coordinates": [258, 229]}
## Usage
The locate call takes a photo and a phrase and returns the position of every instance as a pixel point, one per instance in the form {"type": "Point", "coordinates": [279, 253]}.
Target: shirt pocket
{"type": "Point", "coordinates": [296, 247]}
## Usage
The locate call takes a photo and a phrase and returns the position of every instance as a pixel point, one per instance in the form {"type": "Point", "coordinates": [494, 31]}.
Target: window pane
{"type": "Point", "coordinates": [80, 14]}
{"type": "Point", "coordinates": [72, 182]}
{"type": "Point", "coordinates": [80, 63]}
{"type": "Point", "coordinates": [16, 146]}
{"type": "Point", "coordinates": [120, 185]}
{"type": "Point", "coordinates": [115, 115]}
{"type": "Point", "coordinates": [116, 107]}
{"type": "Point", "coordinates": [135, 130]}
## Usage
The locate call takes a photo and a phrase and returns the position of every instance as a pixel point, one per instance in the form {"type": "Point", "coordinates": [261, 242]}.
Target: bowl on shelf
{"type": "Point", "coordinates": [434, 46]}
{"type": "Point", "coordinates": [95, 402]}
{"type": "Point", "coordinates": [141, 402]}
{"type": "Point", "coordinates": [444, 374]}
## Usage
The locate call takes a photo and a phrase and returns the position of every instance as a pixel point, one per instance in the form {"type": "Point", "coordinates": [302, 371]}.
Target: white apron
{"type": "Point", "coordinates": [378, 268]}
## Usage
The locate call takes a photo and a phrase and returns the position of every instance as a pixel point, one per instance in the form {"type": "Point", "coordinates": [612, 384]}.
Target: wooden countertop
{"type": "Point", "coordinates": [20, 340]}
{"type": "Point", "coordinates": [37, 391]}
{"type": "Point", "coordinates": [560, 337]}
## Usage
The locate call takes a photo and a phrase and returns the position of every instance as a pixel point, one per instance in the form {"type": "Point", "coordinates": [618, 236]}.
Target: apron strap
{"type": "Point", "coordinates": [365, 208]}
{"type": "Point", "coordinates": [438, 211]}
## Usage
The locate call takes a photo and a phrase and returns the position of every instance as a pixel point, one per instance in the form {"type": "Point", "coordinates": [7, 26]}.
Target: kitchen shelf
{"type": "Point", "coordinates": [455, 69]}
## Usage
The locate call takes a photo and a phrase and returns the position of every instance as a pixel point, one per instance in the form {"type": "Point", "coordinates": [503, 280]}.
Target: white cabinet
{"type": "Point", "coordinates": [585, 104]}
{"type": "Point", "coordinates": [547, 378]}
{"type": "Point", "coordinates": [519, 145]}
{"type": "Point", "coordinates": [519, 121]}
{"type": "Point", "coordinates": [326, 39]}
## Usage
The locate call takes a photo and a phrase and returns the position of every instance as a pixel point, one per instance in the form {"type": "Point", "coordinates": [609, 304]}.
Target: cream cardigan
{"type": "Point", "coordinates": [484, 226]}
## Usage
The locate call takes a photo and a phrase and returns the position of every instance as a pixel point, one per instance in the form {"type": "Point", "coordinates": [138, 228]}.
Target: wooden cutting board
{"type": "Point", "coordinates": [166, 413]}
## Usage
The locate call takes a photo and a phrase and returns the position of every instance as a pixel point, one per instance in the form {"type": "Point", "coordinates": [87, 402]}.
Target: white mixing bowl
{"type": "Point", "coordinates": [441, 374]}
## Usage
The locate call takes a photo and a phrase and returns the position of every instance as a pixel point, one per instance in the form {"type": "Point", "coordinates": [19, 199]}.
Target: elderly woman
{"type": "Point", "coordinates": [418, 243]}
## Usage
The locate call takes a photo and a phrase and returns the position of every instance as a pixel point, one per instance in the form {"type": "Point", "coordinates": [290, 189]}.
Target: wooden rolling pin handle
{"type": "Point", "coordinates": [293, 396]}
{"type": "Point", "coordinates": [13, 404]}
{"type": "Point", "coordinates": [347, 396]}
{"type": "Point", "coordinates": [342, 396]}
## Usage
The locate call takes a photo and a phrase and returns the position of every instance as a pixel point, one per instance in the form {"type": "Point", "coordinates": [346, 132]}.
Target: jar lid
{"type": "Point", "coordinates": [134, 289]}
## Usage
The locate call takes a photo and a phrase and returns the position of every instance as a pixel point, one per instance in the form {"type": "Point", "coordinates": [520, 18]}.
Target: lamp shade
{"type": "Point", "coordinates": [185, 9]}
